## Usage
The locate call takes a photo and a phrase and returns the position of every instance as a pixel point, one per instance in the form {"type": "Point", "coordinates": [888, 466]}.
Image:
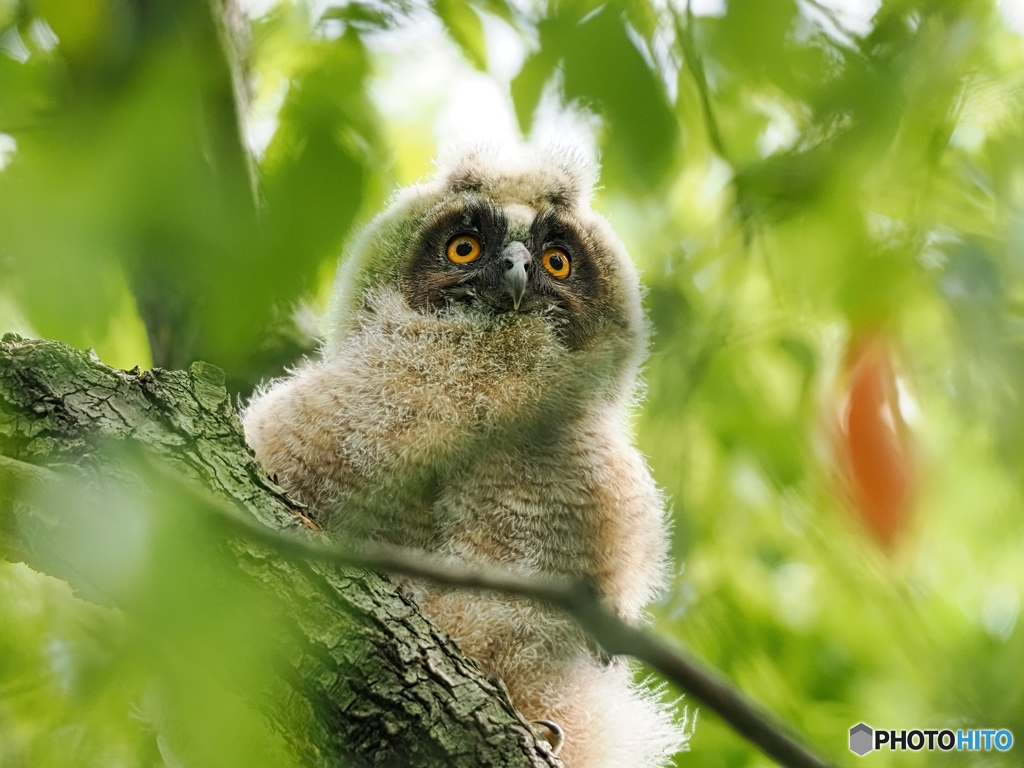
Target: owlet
{"type": "Point", "coordinates": [472, 400]}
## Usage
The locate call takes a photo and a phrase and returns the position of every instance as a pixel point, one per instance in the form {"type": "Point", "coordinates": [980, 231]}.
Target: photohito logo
{"type": "Point", "coordinates": [864, 739]}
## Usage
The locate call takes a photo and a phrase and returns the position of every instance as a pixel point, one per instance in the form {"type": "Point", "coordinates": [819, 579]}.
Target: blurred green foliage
{"type": "Point", "coordinates": [788, 179]}
{"type": "Point", "coordinates": [156, 681]}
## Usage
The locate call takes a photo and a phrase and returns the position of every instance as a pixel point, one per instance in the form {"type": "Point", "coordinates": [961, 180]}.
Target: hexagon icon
{"type": "Point", "coordinates": [861, 739]}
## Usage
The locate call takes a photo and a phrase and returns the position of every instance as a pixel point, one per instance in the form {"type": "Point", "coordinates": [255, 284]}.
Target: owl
{"type": "Point", "coordinates": [472, 400]}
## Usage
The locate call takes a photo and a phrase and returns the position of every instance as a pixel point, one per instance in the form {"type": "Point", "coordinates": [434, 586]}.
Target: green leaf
{"type": "Point", "coordinates": [754, 37]}
{"type": "Point", "coordinates": [463, 23]}
{"type": "Point", "coordinates": [603, 67]}
{"type": "Point", "coordinates": [528, 86]}
{"type": "Point", "coordinates": [367, 15]}
{"type": "Point", "coordinates": [501, 9]}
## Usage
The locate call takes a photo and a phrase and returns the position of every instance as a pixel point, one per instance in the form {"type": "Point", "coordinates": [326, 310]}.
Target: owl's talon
{"type": "Point", "coordinates": [553, 733]}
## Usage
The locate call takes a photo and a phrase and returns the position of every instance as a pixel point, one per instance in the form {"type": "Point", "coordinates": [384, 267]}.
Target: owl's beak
{"type": "Point", "coordinates": [516, 259]}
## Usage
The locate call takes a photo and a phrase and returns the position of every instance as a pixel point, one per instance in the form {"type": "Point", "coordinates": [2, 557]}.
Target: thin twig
{"type": "Point", "coordinates": [576, 598]}
{"type": "Point", "coordinates": [696, 65]}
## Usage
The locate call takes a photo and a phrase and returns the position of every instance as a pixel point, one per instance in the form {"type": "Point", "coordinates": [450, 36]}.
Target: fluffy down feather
{"type": "Point", "coordinates": [481, 437]}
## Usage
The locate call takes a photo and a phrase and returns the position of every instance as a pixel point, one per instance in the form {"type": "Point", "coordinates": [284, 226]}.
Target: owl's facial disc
{"type": "Point", "coordinates": [509, 259]}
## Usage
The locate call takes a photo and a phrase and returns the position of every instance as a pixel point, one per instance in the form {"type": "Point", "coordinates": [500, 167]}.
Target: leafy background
{"type": "Point", "coordinates": [826, 200]}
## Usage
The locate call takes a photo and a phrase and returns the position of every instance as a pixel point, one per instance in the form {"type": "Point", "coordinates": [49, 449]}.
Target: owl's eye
{"type": "Point", "coordinates": [556, 262]}
{"type": "Point", "coordinates": [463, 249]}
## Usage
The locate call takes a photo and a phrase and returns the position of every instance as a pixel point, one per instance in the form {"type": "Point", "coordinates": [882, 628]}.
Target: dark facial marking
{"type": "Point", "coordinates": [583, 294]}
{"type": "Point", "coordinates": [573, 305]}
{"type": "Point", "coordinates": [433, 280]}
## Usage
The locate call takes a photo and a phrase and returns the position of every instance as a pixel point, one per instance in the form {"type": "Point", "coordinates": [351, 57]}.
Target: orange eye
{"type": "Point", "coordinates": [463, 249]}
{"type": "Point", "coordinates": [556, 261]}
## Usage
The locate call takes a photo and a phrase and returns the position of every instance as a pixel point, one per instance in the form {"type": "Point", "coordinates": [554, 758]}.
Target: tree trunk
{"type": "Point", "coordinates": [370, 681]}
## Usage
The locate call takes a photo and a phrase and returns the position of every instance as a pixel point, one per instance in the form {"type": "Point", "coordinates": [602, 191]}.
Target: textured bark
{"type": "Point", "coordinates": [371, 681]}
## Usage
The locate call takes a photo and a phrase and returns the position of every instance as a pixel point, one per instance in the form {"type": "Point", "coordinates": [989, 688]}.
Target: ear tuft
{"type": "Point", "coordinates": [556, 175]}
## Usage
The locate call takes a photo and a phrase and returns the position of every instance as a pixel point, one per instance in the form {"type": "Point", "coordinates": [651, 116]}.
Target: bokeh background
{"type": "Point", "coordinates": [825, 199]}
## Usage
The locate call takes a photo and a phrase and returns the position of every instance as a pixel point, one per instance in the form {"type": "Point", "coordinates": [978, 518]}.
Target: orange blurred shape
{"type": "Point", "coordinates": [876, 442]}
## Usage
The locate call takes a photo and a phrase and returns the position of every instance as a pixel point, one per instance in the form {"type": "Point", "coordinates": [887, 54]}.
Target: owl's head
{"type": "Point", "coordinates": [501, 237]}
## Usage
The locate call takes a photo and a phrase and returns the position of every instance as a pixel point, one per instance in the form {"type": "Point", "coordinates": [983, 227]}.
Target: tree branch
{"type": "Point", "coordinates": [575, 598]}
{"type": "Point", "coordinates": [366, 679]}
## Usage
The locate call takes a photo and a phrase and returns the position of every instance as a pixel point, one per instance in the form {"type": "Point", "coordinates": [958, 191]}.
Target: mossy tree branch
{"type": "Point", "coordinates": [369, 680]}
